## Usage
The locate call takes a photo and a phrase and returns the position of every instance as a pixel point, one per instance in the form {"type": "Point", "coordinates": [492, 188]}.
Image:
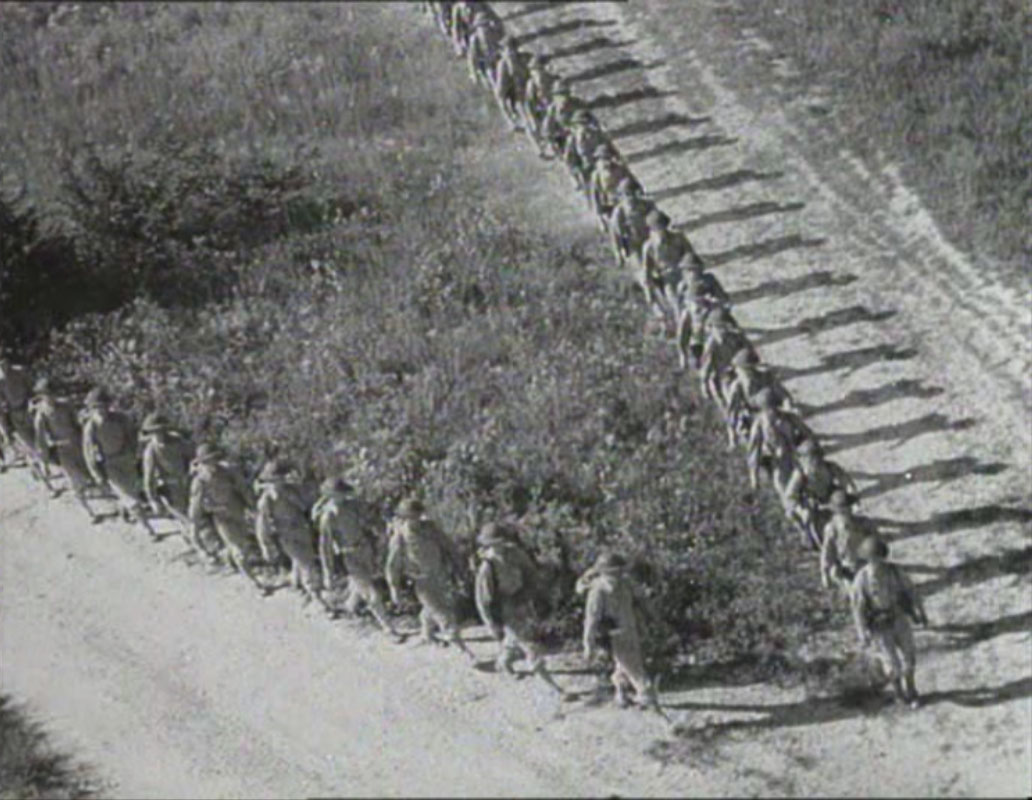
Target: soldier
{"type": "Point", "coordinates": [884, 602]}
{"type": "Point", "coordinates": [15, 421]}
{"type": "Point", "coordinates": [770, 442]}
{"type": "Point", "coordinates": [627, 227]}
{"type": "Point", "coordinates": [723, 340]}
{"type": "Point", "coordinates": [345, 530]}
{"type": "Point", "coordinates": [282, 525]}
{"type": "Point", "coordinates": [555, 128]}
{"type": "Point", "coordinates": [461, 25]}
{"type": "Point", "coordinates": [579, 153]}
{"type": "Point", "coordinates": [166, 468]}
{"type": "Point", "coordinates": [606, 176]}
{"type": "Point", "coordinates": [484, 47]}
{"type": "Point", "coordinates": [57, 430]}
{"type": "Point", "coordinates": [420, 548]}
{"type": "Point", "coordinates": [219, 496]}
{"type": "Point", "coordinates": [109, 447]}
{"type": "Point", "coordinates": [748, 378]}
{"type": "Point", "coordinates": [612, 612]}
{"type": "Point", "coordinates": [698, 295]}
{"type": "Point", "coordinates": [505, 588]}
{"type": "Point", "coordinates": [661, 257]}
{"type": "Point", "coordinates": [810, 486]}
{"type": "Point", "coordinates": [509, 81]}
{"type": "Point", "coordinates": [843, 534]}
{"type": "Point", "coordinates": [537, 93]}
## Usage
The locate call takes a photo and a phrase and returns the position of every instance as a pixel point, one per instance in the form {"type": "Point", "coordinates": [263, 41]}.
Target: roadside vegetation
{"type": "Point", "coordinates": [283, 206]}
{"type": "Point", "coordinates": [942, 87]}
{"type": "Point", "coordinates": [29, 767]}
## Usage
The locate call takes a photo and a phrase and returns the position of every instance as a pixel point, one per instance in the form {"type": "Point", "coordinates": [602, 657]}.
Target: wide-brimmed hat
{"type": "Point", "coordinates": [207, 453]}
{"type": "Point", "coordinates": [839, 500]}
{"type": "Point", "coordinates": [97, 398]}
{"type": "Point", "coordinates": [492, 533]}
{"type": "Point", "coordinates": [411, 507]}
{"type": "Point", "coordinates": [275, 470]}
{"type": "Point", "coordinates": [657, 219]}
{"type": "Point", "coordinates": [873, 548]}
{"type": "Point", "coordinates": [335, 486]}
{"type": "Point", "coordinates": [154, 422]}
{"type": "Point", "coordinates": [610, 562]}
{"type": "Point", "coordinates": [41, 386]}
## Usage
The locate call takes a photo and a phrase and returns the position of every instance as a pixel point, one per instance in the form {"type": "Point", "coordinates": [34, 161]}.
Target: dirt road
{"type": "Point", "coordinates": [914, 368]}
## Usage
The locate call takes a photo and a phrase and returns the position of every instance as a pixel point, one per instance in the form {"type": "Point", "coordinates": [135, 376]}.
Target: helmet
{"type": "Point", "coordinates": [839, 500]}
{"type": "Point", "coordinates": [97, 398]}
{"type": "Point", "coordinates": [207, 453]}
{"type": "Point", "coordinates": [746, 357]}
{"type": "Point", "coordinates": [411, 507]}
{"type": "Point", "coordinates": [275, 470]}
{"type": "Point", "coordinates": [718, 316]}
{"type": "Point", "coordinates": [491, 533]}
{"type": "Point", "coordinates": [336, 486]}
{"type": "Point", "coordinates": [765, 398]}
{"type": "Point", "coordinates": [41, 386]}
{"type": "Point", "coordinates": [154, 422]}
{"type": "Point", "coordinates": [873, 548]}
{"type": "Point", "coordinates": [603, 150]}
{"type": "Point", "coordinates": [808, 447]}
{"type": "Point", "coordinates": [610, 562]}
{"type": "Point", "coordinates": [657, 219]}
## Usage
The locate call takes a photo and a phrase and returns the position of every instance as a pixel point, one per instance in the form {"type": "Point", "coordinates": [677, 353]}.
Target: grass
{"type": "Point", "coordinates": [941, 86]}
{"type": "Point", "coordinates": [287, 206]}
{"type": "Point", "coordinates": [29, 766]}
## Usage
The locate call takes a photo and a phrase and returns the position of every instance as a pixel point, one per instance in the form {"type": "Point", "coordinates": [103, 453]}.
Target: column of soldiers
{"type": "Point", "coordinates": [276, 527]}
{"type": "Point", "coordinates": [689, 304]}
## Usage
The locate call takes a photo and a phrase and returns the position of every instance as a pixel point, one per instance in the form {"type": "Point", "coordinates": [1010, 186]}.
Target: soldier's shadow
{"type": "Point", "coordinates": [941, 471]}
{"type": "Point", "coordinates": [1013, 561]}
{"type": "Point", "coordinates": [822, 710]}
{"type": "Point", "coordinates": [966, 635]}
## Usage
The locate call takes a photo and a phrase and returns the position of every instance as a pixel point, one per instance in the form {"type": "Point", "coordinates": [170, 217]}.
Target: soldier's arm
{"type": "Point", "coordinates": [395, 563]}
{"type": "Point", "coordinates": [91, 452]}
{"type": "Point", "coordinates": [150, 476]}
{"type": "Point", "coordinates": [593, 611]}
{"type": "Point", "coordinates": [41, 434]}
{"type": "Point", "coordinates": [914, 597]}
{"type": "Point", "coordinates": [325, 527]}
{"type": "Point", "coordinates": [264, 529]}
{"type": "Point", "coordinates": [484, 594]}
{"type": "Point", "coordinates": [828, 555]}
{"type": "Point", "coordinates": [858, 601]}
{"type": "Point", "coordinates": [195, 511]}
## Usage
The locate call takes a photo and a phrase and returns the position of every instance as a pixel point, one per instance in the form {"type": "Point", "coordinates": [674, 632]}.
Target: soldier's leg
{"type": "Point", "coordinates": [885, 642]}
{"type": "Point", "coordinates": [620, 684]}
{"type": "Point", "coordinates": [368, 591]}
{"type": "Point", "coordinates": [235, 535]}
{"type": "Point", "coordinates": [904, 637]}
{"type": "Point", "coordinates": [631, 664]}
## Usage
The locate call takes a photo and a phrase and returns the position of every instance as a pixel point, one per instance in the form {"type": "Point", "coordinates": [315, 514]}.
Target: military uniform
{"type": "Point", "coordinates": [841, 539]}
{"type": "Point", "coordinates": [509, 80]}
{"type": "Point", "coordinates": [611, 610]}
{"type": "Point", "coordinates": [555, 129]}
{"type": "Point", "coordinates": [15, 422]}
{"type": "Point", "coordinates": [344, 531]}
{"type": "Point", "coordinates": [537, 93]}
{"type": "Point", "coordinates": [606, 176]}
{"type": "Point", "coordinates": [701, 294]}
{"type": "Point", "coordinates": [420, 549]}
{"type": "Point", "coordinates": [810, 487]}
{"type": "Point", "coordinates": [282, 524]}
{"type": "Point", "coordinates": [579, 152]}
{"type": "Point", "coordinates": [484, 47]}
{"type": "Point", "coordinates": [661, 257]}
{"type": "Point", "coordinates": [884, 602]}
{"type": "Point", "coordinates": [166, 467]}
{"type": "Point", "coordinates": [748, 379]}
{"type": "Point", "coordinates": [723, 341]}
{"type": "Point", "coordinates": [770, 443]}
{"type": "Point", "coordinates": [627, 227]}
{"type": "Point", "coordinates": [57, 430]}
{"type": "Point", "coordinates": [109, 447]}
{"type": "Point", "coordinates": [462, 13]}
{"type": "Point", "coordinates": [504, 591]}
{"type": "Point", "coordinates": [219, 496]}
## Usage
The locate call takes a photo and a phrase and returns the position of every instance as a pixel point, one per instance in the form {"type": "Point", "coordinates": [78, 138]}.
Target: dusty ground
{"type": "Point", "coordinates": [914, 369]}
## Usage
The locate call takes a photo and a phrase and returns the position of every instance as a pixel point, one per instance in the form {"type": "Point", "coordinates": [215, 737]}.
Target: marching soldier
{"type": "Point", "coordinates": [770, 442]}
{"type": "Point", "coordinates": [537, 95]}
{"type": "Point", "coordinates": [749, 377]}
{"type": "Point", "coordinates": [611, 613]}
{"type": "Point", "coordinates": [606, 176]}
{"type": "Point", "coordinates": [344, 530]}
{"type": "Point", "coordinates": [57, 430]}
{"type": "Point", "coordinates": [509, 81]}
{"type": "Point", "coordinates": [699, 294]}
{"type": "Point", "coordinates": [219, 496]}
{"type": "Point", "coordinates": [842, 537]}
{"type": "Point", "coordinates": [166, 468]}
{"type": "Point", "coordinates": [420, 549]}
{"type": "Point", "coordinates": [884, 602]}
{"type": "Point", "coordinates": [661, 257]}
{"type": "Point", "coordinates": [485, 43]}
{"type": "Point", "coordinates": [810, 486]}
{"type": "Point", "coordinates": [504, 590]}
{"type": "Point", "coordinates": [555, 128]}
{"type": "Point", "coordinates": [282, 525]}
{"type": "Point", "coordinates": [15, 421]}
{"type": "Point", "coordinates": [627, 227]}
{"type": "Point", "coordinates": [109, 447]}
{"type": "Point", "coordinates": [462, 14]}
{"type": "Point", "coordinates": [579, 154]}
{"type": "Point", "coordinates": [723, 340]}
